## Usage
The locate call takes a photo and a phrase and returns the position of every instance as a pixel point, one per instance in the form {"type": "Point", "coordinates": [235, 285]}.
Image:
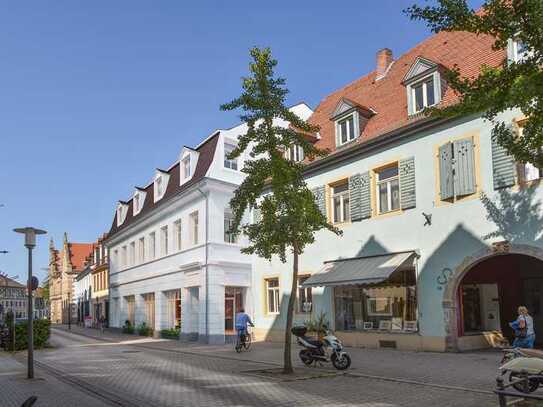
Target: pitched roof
{"type": "Point", "coordinates": [6, 281]}
{"type": "Point", "coordinates": [206, 153]}
{"type": "Point", "coordinates": [78, 254]}
{"type": "Point", "coordinates": [387, 96]}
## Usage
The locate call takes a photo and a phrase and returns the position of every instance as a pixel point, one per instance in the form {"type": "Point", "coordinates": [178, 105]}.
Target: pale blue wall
{"type": "Point", "coordinates": [457, 230]}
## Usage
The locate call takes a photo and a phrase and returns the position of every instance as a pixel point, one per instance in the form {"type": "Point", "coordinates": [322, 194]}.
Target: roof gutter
{"type": "Point", "coordinates": [380, 141]}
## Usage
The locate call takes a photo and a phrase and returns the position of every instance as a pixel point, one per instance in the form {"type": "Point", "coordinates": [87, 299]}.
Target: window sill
{"type": "Point", "coordinates": [231, 170]}
{"type": "Point", "coordinates": [347, 144]}
{"type": "Point", "coordinates": [388, 214]}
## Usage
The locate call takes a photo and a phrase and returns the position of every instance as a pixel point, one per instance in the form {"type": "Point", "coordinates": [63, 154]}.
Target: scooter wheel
{"type": "Point", "coordinates": [305, 356]}
{"type": "Point", "coordinates": [341, 363]}
{"type": "Point", "coordinates": [533, 384]}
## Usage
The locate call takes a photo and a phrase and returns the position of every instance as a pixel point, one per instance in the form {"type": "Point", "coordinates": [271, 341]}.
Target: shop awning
{"type": "Point", "coordinates": [361, 270]}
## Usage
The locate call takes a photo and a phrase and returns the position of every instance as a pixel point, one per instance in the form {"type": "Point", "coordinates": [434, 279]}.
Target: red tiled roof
{"type": "Point", "coordinates": [387, 96]}
{"type": "Point", "coordinates": [205, 158]}
{"type": "Point", "coordinates": [78, 254]}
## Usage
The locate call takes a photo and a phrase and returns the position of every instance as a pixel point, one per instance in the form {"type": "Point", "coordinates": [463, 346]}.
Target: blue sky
{"type": "Point", "coordinates": [95, 95]}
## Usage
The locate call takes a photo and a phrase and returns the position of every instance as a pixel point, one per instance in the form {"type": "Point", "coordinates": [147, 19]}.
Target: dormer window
{"type": "Point", "coordinates": [423, 85]}
{"type": "Point", "coordinates": [423, 94]}
{"type": "Point", "coordinates": [346, 130]}
{"type": "Point", "coordinates": [122, 209]}
{"type": "Point", "coordinates": [185, 165]}
{"type": "Point", "coordinates": [230, 163]}
{"type": "Point", "coordinates": [294, 153]}
{"type": "Point", "coordinates": [517, 51]}
{"type": "Point", "coordinates": [160, 184]}
{"type": "Point", "coordinates": [350, 119]}
{"type": "Point", "coordinates": [138, 200]}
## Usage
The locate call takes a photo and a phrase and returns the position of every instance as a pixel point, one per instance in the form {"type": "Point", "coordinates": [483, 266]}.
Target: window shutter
{"type": "Point", "coordinates": [320, 198]}
{"type": "Point", "coordinates": [446, 178]}
{"type": "Point", "coordinates": [464, 167]}
{"type": "Point", "coordinates": [360, 196]}
{"type": "Point", "coordinates": [406, 169]}
{"type": "Point", "coordinates": [503, 166]}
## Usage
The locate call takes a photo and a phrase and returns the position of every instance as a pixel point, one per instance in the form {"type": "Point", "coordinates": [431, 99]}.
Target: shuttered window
{"type": "Point", "coordinates": [407, 183]}
{"type": "Point", "coordinates": [503, 166]}
{"type": "Point", "coordinates": [457, 169]}
{"type": "Point", "coordinates": [360, 200]}
{"type": "Point", "coordinates": [320, 198]}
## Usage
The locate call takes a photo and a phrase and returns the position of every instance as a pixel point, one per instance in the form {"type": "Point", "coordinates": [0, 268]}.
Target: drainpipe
{"type": "Point", "coordinates": [206, 260]}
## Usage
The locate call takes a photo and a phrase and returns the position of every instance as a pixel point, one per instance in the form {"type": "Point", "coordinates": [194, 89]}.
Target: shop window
{"type": "Point", "coordinates": [305, 296]}
{"type": "Point", "coordinates": [387, 307]}
{"type": "Point", "coordinates": [173, 308]}
{"type": "Point", "coordinates": [272, 288]}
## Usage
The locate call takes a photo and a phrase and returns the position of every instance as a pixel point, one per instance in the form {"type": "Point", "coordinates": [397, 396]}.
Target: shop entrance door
{"type": "Point", "coordinates": [229, 314]}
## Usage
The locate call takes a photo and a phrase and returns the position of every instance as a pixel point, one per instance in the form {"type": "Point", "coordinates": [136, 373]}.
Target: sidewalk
{"type": "Point", "coordinates": [473, 370]}
{"type": "Point", "coordinates": [16, 388]}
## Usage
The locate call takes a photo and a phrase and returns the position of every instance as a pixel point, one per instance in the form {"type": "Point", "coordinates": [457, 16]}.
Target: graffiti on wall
{"type": "Point", "coordinates": [443, 278]}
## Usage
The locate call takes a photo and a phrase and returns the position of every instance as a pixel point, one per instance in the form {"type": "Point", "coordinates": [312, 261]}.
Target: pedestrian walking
{"type": "Point", "coordinates": [524, 329]}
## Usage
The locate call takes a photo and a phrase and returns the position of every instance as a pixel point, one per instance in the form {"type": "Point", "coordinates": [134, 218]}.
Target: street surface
{"type": "Point", "coordinates": [116, 370]}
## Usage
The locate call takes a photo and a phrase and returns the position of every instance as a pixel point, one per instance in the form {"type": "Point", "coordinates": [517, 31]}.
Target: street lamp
{"type": "Point", "coordinates": [30, 242]}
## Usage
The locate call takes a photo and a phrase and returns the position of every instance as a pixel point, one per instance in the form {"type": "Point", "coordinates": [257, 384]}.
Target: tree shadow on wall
{"type": "Point", "coordinates": [516, 214]}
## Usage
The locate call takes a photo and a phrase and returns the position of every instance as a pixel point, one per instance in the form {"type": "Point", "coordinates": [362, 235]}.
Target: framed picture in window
{"type": "Point", "coordinates": [410, 326]}
{"type": "Point", "coordinates": [385, 325]}
{"type": "Point", "coordinates": [379, 306]}
{"type": "Point", "coordinates": [368, 325]}
{"type": "Point", "coordinates": [396, 324]}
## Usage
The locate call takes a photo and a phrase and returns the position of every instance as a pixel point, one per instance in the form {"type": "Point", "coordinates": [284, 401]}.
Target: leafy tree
{"type": "Point", "coordinates": [513, 84]}
{"type": "Point", "coordinates": [274, 186]}
{"type": "Point", "coordinates": [45, 290]}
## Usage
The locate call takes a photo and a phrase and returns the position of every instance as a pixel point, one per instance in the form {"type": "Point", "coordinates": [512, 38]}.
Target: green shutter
{"type": "Point", "coordinates": [406, 169]}
{"type": "Point", "coordinates": [320, 198]}
{"type": "Point", "coordinates": [464, 167]}
{"type": "Point", "coordinates": [355, 199]}
{"type": "Point", "coordinates": [365, 195]}
{"type": "Point", "coordinates": [446, 179]}
{"type": "Point", "coordinates": [503, 166]}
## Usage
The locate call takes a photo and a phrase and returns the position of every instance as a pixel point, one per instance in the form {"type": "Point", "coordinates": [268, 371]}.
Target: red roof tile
{"type": "Point", "coordinates": [387, 96]}
{"type": "Point", "coordinates": [78, 254]}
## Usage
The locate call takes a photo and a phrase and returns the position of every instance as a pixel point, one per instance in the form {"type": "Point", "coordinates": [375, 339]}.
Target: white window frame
{"type": "Point", "coordinates": [159, 184]}
{"type": "Point", "coordinates": [194, 227]}
{"type": "Point", "coordinates": [229, 237]}
{"type": "Point", "coordinates": [350, 137]}
{"type": "Point", "coordinates": [132, 253]}
{"type": "Point", "coordinates": [300, 306]}
{"type": "Point", "coordinates": [141, 250]}
{"type": "Point", "coordinates": [178, 230]}
{"type": "Point", "coordinates": [185, 164]}
{"type": "Point", "coordinates": [124, 256]}
{"type": "Point", "coordinates": [136, 202]}
{"type": "Point", "coordinates": [231, 164]}
{"type": "Point", "coordinates": [387, 181]}
{"type": "Point", "coordinates": [164, 240]}
{"type": "Point", "coordinates": [275, 292]}
{"type": "Point", "coordinates": [152, 246]}
{"type": "Point", "coordinates": [341, 195]}
{"type": "Point", "coordinates": [520, 57]}
{"type": "Point", "coordinates": [424, 83]}
{"type": "Point", "coordinates": [295, 153]}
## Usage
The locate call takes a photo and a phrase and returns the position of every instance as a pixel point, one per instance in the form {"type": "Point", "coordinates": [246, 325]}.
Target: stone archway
{"type": "Point", "coordinates": [450, 297]}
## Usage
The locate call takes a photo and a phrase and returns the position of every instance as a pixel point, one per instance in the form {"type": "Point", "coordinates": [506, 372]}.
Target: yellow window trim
{"type": "Point", "coordinates": [265, 291]}
{"type": "Point", "coordinates": [328, 199]}
{"type": "Point", "coordinates": [478, 180]}
{"type": "Point", "coordinates": [373, 192]}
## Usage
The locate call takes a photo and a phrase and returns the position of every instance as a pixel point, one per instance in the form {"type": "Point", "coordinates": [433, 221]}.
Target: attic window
{"type": "Point", "coordinates": [423, 85]}
{"type": "Point", "coordinates": [294, 153]}
{"type": "Point", "coordinates": [121, 213]}
{"type": "Point", "coordinates": [346, 130]}
{"type": "Point", "coordinates": [185, 164]}
{"type": "Point", "coordinates": [423, 94]}
{"type": "Point", "coordinates": [159, 186]}
{"type": "Point", "coordinates": [136, 203]}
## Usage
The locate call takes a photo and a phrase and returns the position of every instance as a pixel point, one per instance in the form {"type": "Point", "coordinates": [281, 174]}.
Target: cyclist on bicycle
{"type": "Point", "coordinates": [242, 320]}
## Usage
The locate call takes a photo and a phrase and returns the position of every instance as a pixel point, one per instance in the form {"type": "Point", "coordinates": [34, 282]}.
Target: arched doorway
{"type": "Point", "coordinates": [483, 293]}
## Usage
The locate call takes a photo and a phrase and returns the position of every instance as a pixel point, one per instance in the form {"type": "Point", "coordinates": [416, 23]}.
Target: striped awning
{"type": "Point", "coordinates": [361, 270]}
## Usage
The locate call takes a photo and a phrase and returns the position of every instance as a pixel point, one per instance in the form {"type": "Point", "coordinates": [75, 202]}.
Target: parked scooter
{"type": "Point", "coordinates": [518, 363]}
{"type": "Point", "coordinates": [329, 349]}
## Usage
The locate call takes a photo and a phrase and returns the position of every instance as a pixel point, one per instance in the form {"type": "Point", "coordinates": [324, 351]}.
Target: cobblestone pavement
{"type": "Point", "coordinates": [165, 373]}
{"type": "Point", "coordinates": [15, 388]}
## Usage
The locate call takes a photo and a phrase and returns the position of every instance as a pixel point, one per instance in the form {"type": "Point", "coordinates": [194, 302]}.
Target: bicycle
{"type": "Point", "coordinates": [243, 341]}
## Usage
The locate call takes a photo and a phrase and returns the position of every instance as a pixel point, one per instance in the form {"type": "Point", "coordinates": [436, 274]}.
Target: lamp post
{"type": "Point", "coordinates": [30, 242]}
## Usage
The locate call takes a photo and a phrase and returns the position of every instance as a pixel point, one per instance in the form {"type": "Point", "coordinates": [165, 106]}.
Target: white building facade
{"type": "Point", "coordinates": [173, 262]}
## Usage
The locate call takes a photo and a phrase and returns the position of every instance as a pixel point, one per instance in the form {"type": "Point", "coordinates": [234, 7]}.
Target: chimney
{"type": "Point", "coordinates": [384, 60]}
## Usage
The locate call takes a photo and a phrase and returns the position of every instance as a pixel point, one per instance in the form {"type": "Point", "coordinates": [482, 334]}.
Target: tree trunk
{"type": "Point", "coordinates": [287, 360]}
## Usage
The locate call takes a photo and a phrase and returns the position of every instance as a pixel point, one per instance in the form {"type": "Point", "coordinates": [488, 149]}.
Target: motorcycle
{"type": "Point", "coordinates": [329, 349]}
{"type": "Point", "coordinates": [521, 363]}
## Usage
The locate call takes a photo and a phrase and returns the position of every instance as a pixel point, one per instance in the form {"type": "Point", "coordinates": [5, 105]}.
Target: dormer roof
{"type": "Point", "coordinates": [345, 106]}
{"type": "Point", "coordinates": [206, 153]}
{"type": "Point", "coordinates": [420, 67]}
